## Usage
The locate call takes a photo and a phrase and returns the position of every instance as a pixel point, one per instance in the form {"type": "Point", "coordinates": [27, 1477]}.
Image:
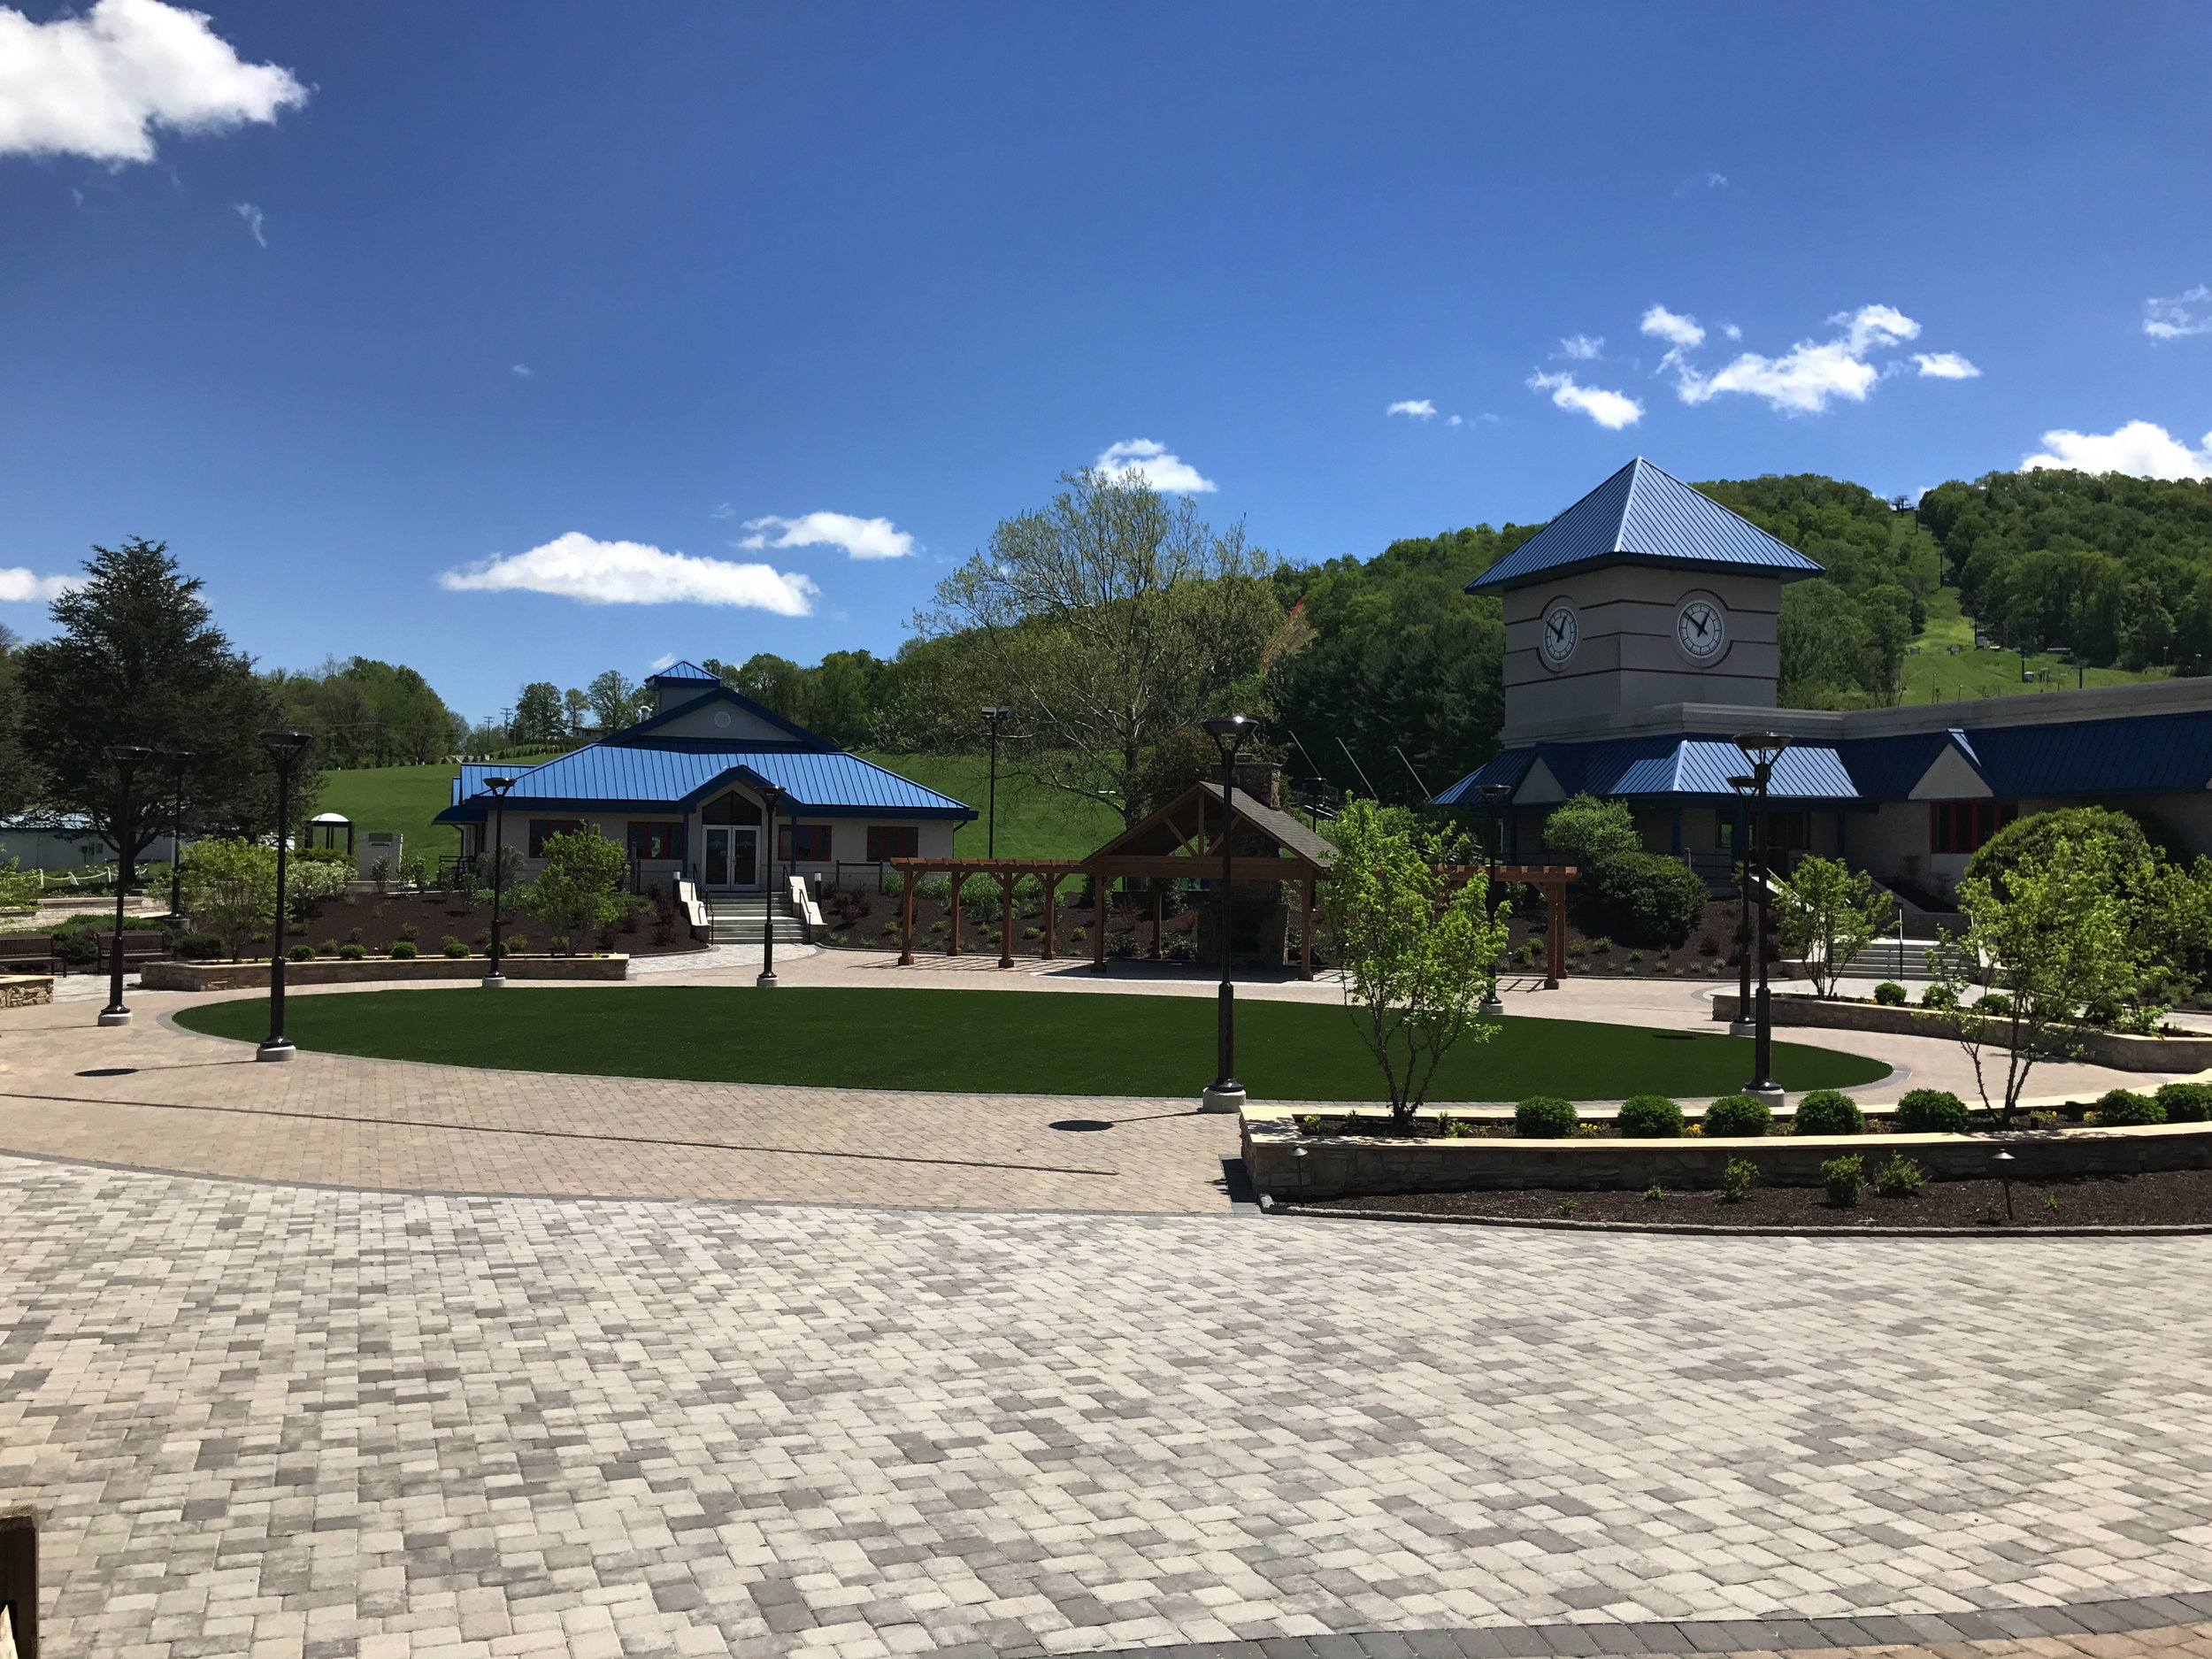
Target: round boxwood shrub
{"type": "Point", "coordinates": [200, 947]}
{"type": "Point", "coordinates": [1996, 1004]}
{"type": "Point", "coordinates": [1889, 994]}
{"type": "Point", "coordinates": [2185, 1102]}
{"type": "Point", "coordinates": [1843, 1177]}
{"type": "Point", "coordinates": [1546, 1117]}
{"type": "Point", "coordinates": [2124, 1107]}
{"type": "Point", "coordinates": [1939, 996]}
{"type": "Point", "coordinates": [1932, 1111]}
{"type": "Point", "coordinates": [402, 950]}
{"type": "Point", "coordinates": [1738, 1117]}
{"type": "Point", "coordinates": [1827, 1112]}
{"type": "Point", "coordinates": [79, 949]}
{"type": "Point", "coordinates": [301, 953]}
{"type": "Point", "coordinates": [351, 952]}
{"type": "Point", "coordinates": [1649, 1118]}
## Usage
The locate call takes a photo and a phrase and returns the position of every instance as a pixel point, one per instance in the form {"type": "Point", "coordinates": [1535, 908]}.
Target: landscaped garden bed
{"type": "Point", "coordinates": [2176, 1049]}
{"type": "Point", "coordinates": [2159, 1199]}
{"type": "Point", "coordinates": [241, 975]}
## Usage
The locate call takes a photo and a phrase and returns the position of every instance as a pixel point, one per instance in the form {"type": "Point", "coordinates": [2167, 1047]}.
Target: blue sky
{"type": "Point", "coordinates": [415, 329]}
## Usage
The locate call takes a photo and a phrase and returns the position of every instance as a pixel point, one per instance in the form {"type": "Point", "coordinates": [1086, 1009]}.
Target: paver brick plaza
{"type": "Point", "coordinates": [262, 1418]}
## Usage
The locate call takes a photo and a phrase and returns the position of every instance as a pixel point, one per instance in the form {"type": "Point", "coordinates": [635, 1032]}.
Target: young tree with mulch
{"type": "Point", "coordinates": [1830, 913]}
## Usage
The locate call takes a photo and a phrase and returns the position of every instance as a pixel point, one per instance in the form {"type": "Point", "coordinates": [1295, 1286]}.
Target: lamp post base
{"type": "Point", "coordinates": [115, 1016]}
{"type": "Point", "coordinates": [1222, 1097]}
{"type": "Point", "coordinates": [766, 979]}
{"type": "Point", "coordinates": [1491, 1008]}
{"type": "Point", "coordinates": [1769, 1093]}
{"type": "Point", "coordinates": [1743, 1027]}
{"type": "Point", "coordinates": [277, 1049]}
{"type": "Point", "coordinates": [494, 982]}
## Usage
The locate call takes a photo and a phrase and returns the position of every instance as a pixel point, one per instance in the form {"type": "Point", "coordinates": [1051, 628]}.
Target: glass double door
{"type": "Point", "coordinates": [732, 857]}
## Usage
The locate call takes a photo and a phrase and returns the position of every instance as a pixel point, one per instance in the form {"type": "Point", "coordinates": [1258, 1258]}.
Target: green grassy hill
{"type": "Point", "coordinates": [1943, 666]}
{"type": "Point", "coordinates": [1032, 823]}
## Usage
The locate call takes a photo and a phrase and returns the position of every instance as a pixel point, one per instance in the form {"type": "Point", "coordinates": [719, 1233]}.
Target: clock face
{"type": "Point", "coordinates": [1700, 627]}
{"type": "Point", "coordinates": [1557, 642]}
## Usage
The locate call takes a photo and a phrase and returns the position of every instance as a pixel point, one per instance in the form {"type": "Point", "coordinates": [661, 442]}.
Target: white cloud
{"type": "Point", "coordinates": [1812, 373]}
{"type": "Point", "coordinates": [1682, 332]}
{"type": "Point", "coordinates": [666, 659]}
{"type": "Point", "coordinates": [863, 538]}
{"type": "Point", "coordinates": [254, 219]}
{"type": "Point", "coordinates": [2183, 315]}
{"type": "Point", "coordinates": [1581, 348]}
{"type": "Point", "coordinates": [520, 371]}
{"type": "Point", "coordinates": [97, 85]}
{"type": "Point", "coordinates": [1610, 410]}
{"type": "Point", "coordinates": [724, 511]}
{"type": "Point", "coordinates": [1161, 470]}
{"type": "Point", "coordinates": [1702, 181]}
{"type": "Point", "coordinates": [576, 566]}
{"type": "Point", "coordinates": [1419, 408]}
{"type": "Point", "coordinates": [21, 586]}
{"type": "Point", "coordinates": [2141, 449]}
{"type": "Point", "coordinates": [1454, 420]}
{"type": "Point", "coordinates": [1944, 365]}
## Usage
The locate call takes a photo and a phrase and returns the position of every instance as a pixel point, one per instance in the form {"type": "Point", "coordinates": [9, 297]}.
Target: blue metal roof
{"type": "Point", "coordinates": [652, 776]}
{"type": "Point", "coordinates": [1643, 767]}
{"type": "Point", "coordinates": [719, 693]}
{"type": "Point", "coordinates": [1642, 515]}
{"type": "Point", "coordinates": [2160, 753]}
{"type": "Point", "coordinates": [1508, 767]}
{"type": "Point", "coordinates": [684, 670]}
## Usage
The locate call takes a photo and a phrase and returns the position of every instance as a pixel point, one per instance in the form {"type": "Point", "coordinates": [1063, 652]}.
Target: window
{"type": "Point", "coordinates": [812, 842]}
{"type": "Point", "coordinates": [894, 841]}
{"type": "Point", "coordinates": [656, 840]}
{"type": "Point", "coordinates": [542, 827]}
{"type": "Point", "coordinates": [1962, 827]}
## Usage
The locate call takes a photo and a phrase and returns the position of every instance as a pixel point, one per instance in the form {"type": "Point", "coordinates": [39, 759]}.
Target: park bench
{"type": "Point", "coordinates": [137, 947]}
{"type": "Point", "coordinates": [29, 953]}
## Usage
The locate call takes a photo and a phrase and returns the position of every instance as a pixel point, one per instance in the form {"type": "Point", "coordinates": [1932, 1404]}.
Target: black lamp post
{"type": "Point", "coordinates": [128, 758]}
{"type": "Point", "coordinates": [2004, 1161]}
{"type": "Point", "coordinates": [995, 716]}
{"type": "Point", "coordinates": [766, 979]}
{"type": "Point", "coordinates": [285, 748]}
{"type": "Point", "coordinates": [182, 757]}
{"type": "Point", "coordinates": [1743, 1025]}
{"type": "Point", "coordinates": [1494, 795]}
{"type": "Point", "coordinates": [497, 788]}
{"type": "Point", "coordinates": [1229, 733]}
{"type": "Point", "coordinates": [1762, 750]}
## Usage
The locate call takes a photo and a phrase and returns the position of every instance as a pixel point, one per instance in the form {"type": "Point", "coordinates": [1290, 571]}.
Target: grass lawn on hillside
{"type": "Point", "coordinates": [402, 798]}
{"type": "Point", "coordinates": [1935, 675]}
{"type": "Point", "coordinates": [1033, 822]}
{"type": "Point", "coordinates": [997, 1042]}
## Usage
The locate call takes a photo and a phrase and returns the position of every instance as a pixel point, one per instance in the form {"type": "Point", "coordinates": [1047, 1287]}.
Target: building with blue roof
{"type": "Point", "coordinates": [686, 790]}
{"type": "Point", "coordinates": [1640, 638]}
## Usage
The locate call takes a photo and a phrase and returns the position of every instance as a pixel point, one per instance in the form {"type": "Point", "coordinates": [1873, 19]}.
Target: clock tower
{"type": "Point", "coordinates": [1644, 593]}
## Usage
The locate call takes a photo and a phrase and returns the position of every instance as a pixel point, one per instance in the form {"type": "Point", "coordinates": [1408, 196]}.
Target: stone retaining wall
{"type": "Point", "coordinates": [25, 990]}
{"type": "Point", "coordinates": [2113, 1048]}
{"type": "Point", "coordinates": [1287, 1165]}
{"type": "Point", "coordinates": [244, 976]}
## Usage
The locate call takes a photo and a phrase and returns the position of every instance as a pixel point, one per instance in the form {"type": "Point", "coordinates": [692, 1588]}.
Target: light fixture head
{"type": "Point", "coordinates": [1229, 731]}
{"type": "Point", "coordinates": [1745, 784]}
{"type": "Point", "coordinates": [996, 712]}
{"type": "Point", "coordinates": [1760, 749]}
{"type": "Point", "coordinates": [498, 787]}
{"type": "Point", "coordinates": [1493, 792]}
{"type": "Point", "coordinates": [769, 793]}
{"type": "Point", "coordinates": [286, 746]}
{"type": "Point", "coordinates": [128, 754]}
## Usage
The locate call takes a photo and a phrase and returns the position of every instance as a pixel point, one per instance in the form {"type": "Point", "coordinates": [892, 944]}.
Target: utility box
{"type": "Point", "coordinates": [386, 845]}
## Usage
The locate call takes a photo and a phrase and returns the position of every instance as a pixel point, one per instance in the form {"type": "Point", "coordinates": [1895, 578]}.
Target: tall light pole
{"type": "Point", "coordinates": [182, 757]}
{"type": "Point", "coordinates": [1229, 733]}
{"type": "Point", "coordinates": [1743, 1025]}
{"type": "Point", "coordinates": [128, 758]}
{"type": "Point", "coordinates": [497, 788]}
{"type": "Point", "coordinates": [995, 716]}
{"type": "Point", "coordinates": [766, 979]}
{"type": "Point", "coordinates": [285, 748]}
{"type": "Point", "coordinates": [1762, 750]}
{"type": "Point", "coordinates": [1494, 795]}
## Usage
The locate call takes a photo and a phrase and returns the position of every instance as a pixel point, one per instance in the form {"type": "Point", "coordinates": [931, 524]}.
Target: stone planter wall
{"type": "Point", "coordinates": [245, 976]}
{"type": "Point", "coordinates": [1287, 1165]}
{"type": "Point", "coordinates": [2113, 1048]}
{"type": "Point", "coordinates": [25, 990]}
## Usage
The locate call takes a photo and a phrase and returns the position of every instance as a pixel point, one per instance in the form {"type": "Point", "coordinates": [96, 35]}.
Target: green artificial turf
{"type": "Point", "coordinates": [998, 1042]}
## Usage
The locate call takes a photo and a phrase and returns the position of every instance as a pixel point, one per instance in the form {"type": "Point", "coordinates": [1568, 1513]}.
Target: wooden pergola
{"type": "Point", "coordinates": [1181, 842]}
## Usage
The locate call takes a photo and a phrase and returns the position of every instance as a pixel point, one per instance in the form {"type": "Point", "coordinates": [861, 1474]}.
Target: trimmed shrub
{"type": "Point", "coordinates": [1900, 1178]}
{"type": "Point", "coordinates": [1738, 1117]}
{"type": "Point", "coordinates": [1649, 1118]}
{"type": "Point", "coordinates": [402, 950]}
{"type": "Point", "coordinates": [301, 953]}
{"type": "Point", "coordinates": [2121, 1107]}
{"type": "Point", "coordinates": [1889, 994]}
{"type": "Point", "coordinates": [1654, 899]}
{"type": "Point", "coordinates": [1996, 1004]}
{"type": "Point", "coordinates": [2185, 1102]}
{"type": "Point", "coordinates": [1843, 1177]}
{"type": "Point", "coordinates": [453, 947]}
{"type": "Point", "coordinates": [1735, 1180]}
{"type": "Point", "coordinates": [200, 947]}
{"type": "Point", "coordinates": [1825, 1111]}
{"type": "Point", "coordinates": [1939, 996]}
{"type": "Point", "coordinates": [1121, 947]}
{"type": "Point", "coordinates": [1932, 1111]}
{"type": "Point", "coordinates": [1546, 1117]}
{"type": "Point", "coordinates": [352, 952]}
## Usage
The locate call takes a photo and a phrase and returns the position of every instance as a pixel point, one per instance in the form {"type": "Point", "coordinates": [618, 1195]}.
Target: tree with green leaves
{"type": "Point", "coordinates": [614, 700]}
{"type": "Point", "coordinates": [539, 715]}
{"type": "Point", "coordinates": [1106, 620]}
{"type": "Point", "coordinates": [137, 659]}
{"type": "Point", "coordinates": [19, 778]}
{"type": "Point", "coordinates": [576, 888]}
{"type": "Point", "coordinates": [1830, 913]}
{"type": "Point", "coordinates": [1419, 950]}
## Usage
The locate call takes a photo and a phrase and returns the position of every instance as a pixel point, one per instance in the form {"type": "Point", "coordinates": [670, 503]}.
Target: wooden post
{"type": "Point", "coordinates": [1098, 923]}
{"type": "Point", "coordinates": [1052, 917]}
{"type": "Point", "coordinates": [1157, 952]}
{"type": "Point", "coordinates": [1006, 919]}
{"type": "Point", "coordinates": [1305, 930]}
{"type": "Point", "coordinates": [906, 920]}
{"type": "Point", "coordinates": [952, 919]}
{"type": "Point", "coordinates": [1555, 933]}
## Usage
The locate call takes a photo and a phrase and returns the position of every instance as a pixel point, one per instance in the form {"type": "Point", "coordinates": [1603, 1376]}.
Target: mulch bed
{"type": "Point", "coordinates": [2170, 1198]}
{"type": "Point", "coordinates": [862, 919]}
{"type": "Point", "coordinates": [375, 922]}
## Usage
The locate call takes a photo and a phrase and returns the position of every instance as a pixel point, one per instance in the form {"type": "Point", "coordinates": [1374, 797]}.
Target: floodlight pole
{"type": "Point", "coordinates": [995, 717]}
{"type": "Point", "coordinates": [285, 748]}
{"type": "Point", "coordinates": [497, 788]}
{"type": "Point", "coordinates": [766, 979]}
{"type": "Point", "coordinates": [126, 757]}
{"type": "Point", "coordinates": [1229, 733]}
{"type": "Point", "coordinates": [1762, 749]}
{"type": "Point", "coordinates": [1493, 1005]}
{"type": "Point", "coordinates": [1743, 1025]}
